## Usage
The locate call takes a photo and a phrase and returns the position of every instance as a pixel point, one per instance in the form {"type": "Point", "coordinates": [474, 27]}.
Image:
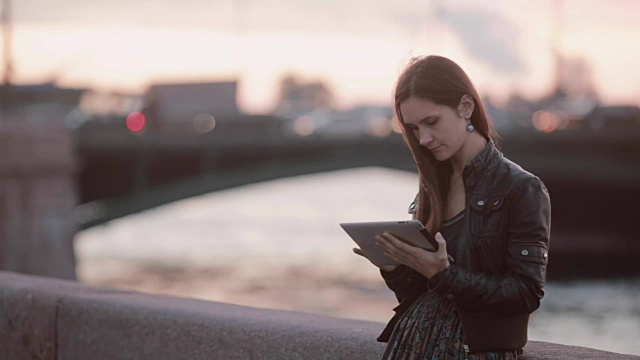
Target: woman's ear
{"type": "Point", "coordinates": [466, 106]}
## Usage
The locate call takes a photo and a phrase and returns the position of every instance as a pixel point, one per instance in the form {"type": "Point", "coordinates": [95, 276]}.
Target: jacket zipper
{"type": "Point", "coordinates": [467, 215]}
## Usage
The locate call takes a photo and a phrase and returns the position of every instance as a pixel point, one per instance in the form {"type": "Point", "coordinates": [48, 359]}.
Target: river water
{"type": "Point", "coordinates": [278, 245]}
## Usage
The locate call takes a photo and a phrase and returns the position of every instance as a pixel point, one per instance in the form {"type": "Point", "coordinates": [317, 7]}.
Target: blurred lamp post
{"type": "Point", "coordinates": [7, 95]}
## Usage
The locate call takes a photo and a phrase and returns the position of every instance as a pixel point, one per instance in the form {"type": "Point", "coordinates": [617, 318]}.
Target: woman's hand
{"type": "Point", "coordinates": [386, 268]}
{"type": "Point", "coordinates": [425, 262]}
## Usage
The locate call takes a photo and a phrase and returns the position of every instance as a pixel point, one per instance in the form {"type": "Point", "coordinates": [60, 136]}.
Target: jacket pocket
{"type": "Point", "coordinates": [487, 214]}
{"type": "Point", "coordinates": [532, 253]}
{"type": "Point", "coordinates": [531, 261]}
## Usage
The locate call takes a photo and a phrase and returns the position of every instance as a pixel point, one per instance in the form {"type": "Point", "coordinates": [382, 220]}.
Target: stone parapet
{"type": "Point", "coordinates": [45, 319]}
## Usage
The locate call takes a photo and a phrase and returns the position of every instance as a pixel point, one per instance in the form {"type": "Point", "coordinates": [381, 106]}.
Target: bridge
{"type": "Point", "coordinates": [593, 178]}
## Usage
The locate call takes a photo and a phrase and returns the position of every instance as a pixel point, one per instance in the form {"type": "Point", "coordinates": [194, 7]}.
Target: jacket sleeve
{"type": "Point", "coordinates": [404, 281]}
{"type": "Point", "coordinates": [521, 288]}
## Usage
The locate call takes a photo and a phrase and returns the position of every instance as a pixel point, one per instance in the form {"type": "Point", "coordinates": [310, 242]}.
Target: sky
{"type": "Point", "coordinates": [358, 47]}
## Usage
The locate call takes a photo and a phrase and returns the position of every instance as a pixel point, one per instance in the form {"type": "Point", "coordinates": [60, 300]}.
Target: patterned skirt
{"type": "Point", "coordinates": [431, 329]}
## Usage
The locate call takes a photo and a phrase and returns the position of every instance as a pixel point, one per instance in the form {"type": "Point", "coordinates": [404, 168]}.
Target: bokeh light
{"type": "Point", "coordinates": [136, 121]}
{"type": "Point", "coordinates": [304, 125]}
{"type": "Point", "coordinates": [204, 123]}
{"type": "Point", "coordinates": [545, 121]}
{"type": "Point", "coordinates": [380, 127]}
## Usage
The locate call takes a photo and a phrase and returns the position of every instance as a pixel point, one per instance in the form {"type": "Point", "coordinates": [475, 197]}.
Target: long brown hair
{"type": "Point", "coordinates": [442, 81]}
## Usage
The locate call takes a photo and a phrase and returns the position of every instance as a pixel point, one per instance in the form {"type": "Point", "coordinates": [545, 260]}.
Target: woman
{"type": "Point", "coordinates": [472, 298]}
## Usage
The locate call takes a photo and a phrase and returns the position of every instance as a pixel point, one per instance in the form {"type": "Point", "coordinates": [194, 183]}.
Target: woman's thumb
{"type": "Point", "coordinates": [442, 244]}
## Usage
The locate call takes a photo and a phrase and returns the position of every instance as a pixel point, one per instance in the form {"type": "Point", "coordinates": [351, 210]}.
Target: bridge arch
{"type": "Point", "coordinates": [220, 174]}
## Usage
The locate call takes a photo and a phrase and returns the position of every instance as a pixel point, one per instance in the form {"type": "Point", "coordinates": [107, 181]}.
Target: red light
{"type": "Point", "coordinates": [135, 121]}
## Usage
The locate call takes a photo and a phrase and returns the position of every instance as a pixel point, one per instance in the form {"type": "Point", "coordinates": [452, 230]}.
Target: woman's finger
{"type": "Point", "coordinates": [359, 252]}
{"type": "Point", "coordinates": [400, 244]}
{"type": "Point", "coordinates": [383, 242]}
{"type": "Point", "coordinates": [442, 244]}
{"type": "Point", "coordinates": [387, 247]}
{"type": "Point", "coordinates": [404, 255]}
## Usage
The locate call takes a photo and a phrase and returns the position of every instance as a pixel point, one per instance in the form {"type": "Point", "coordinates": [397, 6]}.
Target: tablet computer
{"type": "Point", "coordinates": [410, 231]}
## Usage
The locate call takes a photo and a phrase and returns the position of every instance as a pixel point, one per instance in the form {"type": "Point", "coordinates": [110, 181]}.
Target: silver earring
{"type": "Point", "coordinates": [470, 128]}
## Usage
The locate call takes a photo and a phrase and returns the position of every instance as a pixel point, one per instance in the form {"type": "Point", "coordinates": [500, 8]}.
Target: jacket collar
{"type": "Point", "coordinates": [474, 170]}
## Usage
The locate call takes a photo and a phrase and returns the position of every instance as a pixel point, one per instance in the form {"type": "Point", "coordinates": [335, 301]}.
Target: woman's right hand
{"type": "Point", "coordinates": [387, 268]}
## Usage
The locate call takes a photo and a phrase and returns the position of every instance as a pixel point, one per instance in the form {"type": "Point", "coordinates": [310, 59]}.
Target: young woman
{"type": "Point", "coordinates": [472, 298]}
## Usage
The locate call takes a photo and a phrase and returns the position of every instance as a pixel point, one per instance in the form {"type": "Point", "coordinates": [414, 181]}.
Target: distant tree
{"type": "Point", "coordinates": [297, 96]}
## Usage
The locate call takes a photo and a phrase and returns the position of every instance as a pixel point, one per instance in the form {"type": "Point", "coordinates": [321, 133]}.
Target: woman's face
{"type": "Point", "coordinates": [439, 128]}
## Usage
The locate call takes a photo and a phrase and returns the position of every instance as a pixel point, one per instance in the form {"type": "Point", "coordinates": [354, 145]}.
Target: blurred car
{"type": "Point", "coordinates": [612, 118]}
{"type": "Point", "coordinates": [355, 123]}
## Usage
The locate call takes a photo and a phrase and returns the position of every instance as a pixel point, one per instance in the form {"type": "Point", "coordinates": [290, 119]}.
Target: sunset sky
{"type": "Point", "coordinates": [356, 46]}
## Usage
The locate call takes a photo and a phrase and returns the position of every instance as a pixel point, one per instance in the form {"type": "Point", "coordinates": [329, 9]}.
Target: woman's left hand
{"type": "Point", "coordinates": [425, 262]}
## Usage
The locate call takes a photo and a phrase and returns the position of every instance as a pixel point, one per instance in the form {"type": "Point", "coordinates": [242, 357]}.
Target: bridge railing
{"type": "Point", "coordinates": [42, 318]}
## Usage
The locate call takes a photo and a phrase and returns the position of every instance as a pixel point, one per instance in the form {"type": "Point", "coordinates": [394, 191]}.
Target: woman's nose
{"type": "Point", "coordinates": [425, 138]}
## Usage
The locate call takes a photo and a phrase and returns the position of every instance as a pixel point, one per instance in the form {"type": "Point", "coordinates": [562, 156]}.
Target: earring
{"type": "Point", "coordinates": [470, 128]}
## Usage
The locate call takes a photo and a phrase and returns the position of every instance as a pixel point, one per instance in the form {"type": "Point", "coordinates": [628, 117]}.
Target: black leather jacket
{"type": "Point", "coordinates": [498, 277]}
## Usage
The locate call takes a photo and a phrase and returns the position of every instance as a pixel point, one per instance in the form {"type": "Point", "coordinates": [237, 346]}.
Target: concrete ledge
{"type": "Point", "coordinates": [42, 318]}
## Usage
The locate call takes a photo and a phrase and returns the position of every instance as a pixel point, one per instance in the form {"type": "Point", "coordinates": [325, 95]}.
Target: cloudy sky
{"type": "Point", "coordinates": [357, 46]}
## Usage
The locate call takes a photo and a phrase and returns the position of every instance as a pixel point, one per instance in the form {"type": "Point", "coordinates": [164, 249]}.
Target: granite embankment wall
{"type": "Point", "coordinates": [42, 318]}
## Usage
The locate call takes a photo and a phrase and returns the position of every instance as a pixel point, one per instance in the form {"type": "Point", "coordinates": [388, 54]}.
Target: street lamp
{"type": "Point", "coordinates": [6, 99]}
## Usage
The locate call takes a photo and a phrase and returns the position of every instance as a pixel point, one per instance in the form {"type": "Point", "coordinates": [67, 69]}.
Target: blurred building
{"type": "Point", "coordinates": [184, 107]}
{"type": "Point", "coordinates": [47, 93]}
{"type": "Point", "coordinates": [43, 102]}
{"type": "Point", "coordinates": [297, 97]}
